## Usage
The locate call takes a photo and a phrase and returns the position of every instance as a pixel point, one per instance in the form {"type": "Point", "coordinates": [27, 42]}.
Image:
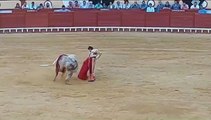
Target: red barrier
{"type": "Point", "coordinates": [46, 10]}
{"type": "Point", "coordinates": [203, 21]}
{"type": "Point", "coordinates": [123, 18]}
{"type": "Point", "coordinates": [19, 11]}
{"type": "Point", "coordinates": [182, 19]}
{"type": "Point", "coordinates": [36, 19]}
{"type": "Point", "coordinates": [133, 18]}
{"type": "Point", "coordinates": [157, 19]}
{"type": "Point", "coordinates": [0, 21]}
{"type": "Point", "coordinates": [60, 19]}
{"type": "Point", "coordinates": [109, 18]}
{"type": "Point", "coordinates": [192, 10]}
{"type": "Point", "coordinates": [166, 11]}
{"type": "Point", "coordinates": [85, 18]}
{"type": "Point", "coordinates": [12, 20]}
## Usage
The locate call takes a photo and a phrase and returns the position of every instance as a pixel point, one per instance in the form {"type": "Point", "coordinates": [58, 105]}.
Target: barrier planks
{"type": "Point", "coordinates": [112, 18]}
{"type": "Point", "coordinates": [12, 20]}
{"type": "Point", "coordinates": [157, 19]}
{"type": "Point", "coordinates": [133, 18]}
{"type": "Point", "coordinates": [36, 19]}
{"type": "Point", "coordinates": [60, 19]}
{"type": "Point", "coordinates": [202, 21]}
{"type": "Point", "coordinates": [182, 19]}
{"type": "Point", "coordinates": [109, 18]}
{"type": "Point", "coordinates": [85, 18]}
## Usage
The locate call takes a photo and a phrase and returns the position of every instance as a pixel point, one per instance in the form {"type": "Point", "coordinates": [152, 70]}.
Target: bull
{"type": "Point", "coordinates": [65, 63]}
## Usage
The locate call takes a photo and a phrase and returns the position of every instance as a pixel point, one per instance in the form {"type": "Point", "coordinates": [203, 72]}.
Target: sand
{"type": "Point", "coordinates": [140, 76]}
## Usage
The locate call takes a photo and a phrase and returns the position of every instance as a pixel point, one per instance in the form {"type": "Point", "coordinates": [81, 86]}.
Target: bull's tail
{"type": "Point", "coordinates": [54, 62]}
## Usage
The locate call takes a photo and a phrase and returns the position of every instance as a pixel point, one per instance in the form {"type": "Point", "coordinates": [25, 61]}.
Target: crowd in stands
{"type": "Point", "coordinates": [144, 5]}
{"type": "Point", "coordinates": [32, 6]}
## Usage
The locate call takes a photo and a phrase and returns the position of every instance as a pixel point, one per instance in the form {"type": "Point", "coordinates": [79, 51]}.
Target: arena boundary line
{"type": "Point", "coordinates": [168, 50]}
{"type": "Point", "coordinates": [104, 29]}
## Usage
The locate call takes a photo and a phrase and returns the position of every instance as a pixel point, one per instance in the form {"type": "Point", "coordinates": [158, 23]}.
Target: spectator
{"type": "Point", "coordinates": [98, 6]}
{"type": "Point", "coordinates": [150, 8]}
{"type": "Point", "coordinates": [70, 5]}
{"type": "Point", "coordinates": [104, 6]}
{"type": "Point", "coordinates": [135, 5]}
{"type": "Point", "coordinates": [118, 5]}
{"type": "Point", "coordinates": [48, 4]}
{"type": "Point", "coordinates": [202, 10]}
{"type": "Point", "coordinates": [32, 6]}
{"type": "Point", "coordinates": [17, 6]}
{"type": "Point", "coordinates": [176, 5]}
{"type": "Point", "coordinates": [111, 6]}
{"type": "Point", "coordinates": [22, 2]}
{"type": "Point", "coordinates": [84, 5]}
{"type": "Point", "coordinates": [167, 5]}
{"type": "Point", "coordinates": [160, 6]}
{"type": "Point", "coordinates": [143, 5]}
{"type": "Point", "coordinates": [41, 6]}
{"type": "Point", "coordinates": [91, 5]}
{"type": "Point", "coordinates": [25, 6]}
{"type": "Point", "coordinates": [184, 6]}
{"type": "Point", "coordinates": [126, 5]}
{"type": "Point", "coordinates": [194, 6]}
{"type": "Point", "coordinates": [63, 9]}
{"type": "Point", "coordinates": [188, 2]}
{"type": "Point", "coordinates": [76, 4]}
{"type": "Point", "coordinates": [126, 1]}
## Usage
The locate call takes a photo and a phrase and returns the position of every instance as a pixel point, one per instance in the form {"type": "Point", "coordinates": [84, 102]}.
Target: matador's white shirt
{"type": "Point", "coordinates": [94, 53]}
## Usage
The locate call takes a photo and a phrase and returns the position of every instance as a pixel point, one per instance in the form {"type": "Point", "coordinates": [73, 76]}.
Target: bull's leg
{"type": "Point", "coordinates": [55, 78]}
{"type": "Point", "coordinates": [60, 69]}
{"type": "Point", "coordinates": [69, 75]}
{"type": "Point", "coordinates": [58, 76]}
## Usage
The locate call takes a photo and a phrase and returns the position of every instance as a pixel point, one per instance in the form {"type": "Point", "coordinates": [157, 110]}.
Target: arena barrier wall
{"type": "Point", "coordinates": [202, 21]}
{"type": "Point", "coordinates": [104, 18]}
{"type": "Point", "coordinates": [182, 19]}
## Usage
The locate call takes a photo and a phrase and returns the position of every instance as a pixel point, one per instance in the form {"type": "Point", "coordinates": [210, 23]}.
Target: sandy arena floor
{"type": "Point", "coordinates": [140, 76]}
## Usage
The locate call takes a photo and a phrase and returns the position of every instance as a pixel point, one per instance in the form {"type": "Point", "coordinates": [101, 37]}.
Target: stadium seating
{"type": "Point", "coordinates": [9, 4]}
